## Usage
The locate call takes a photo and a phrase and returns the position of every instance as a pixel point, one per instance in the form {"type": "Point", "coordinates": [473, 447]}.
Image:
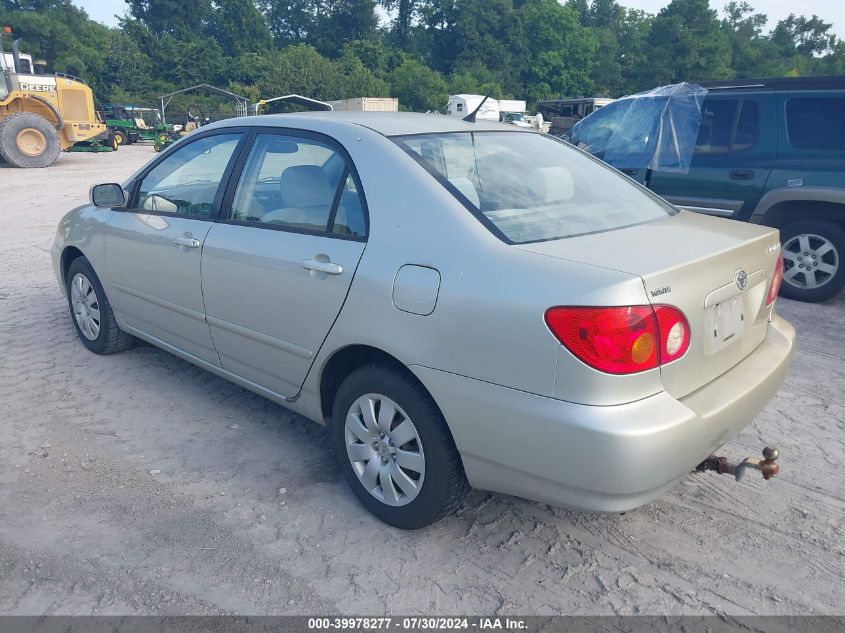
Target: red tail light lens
{"type": "Point", "coordinates": [621, 340]}
{"type": "Point", "coordinates": [777, 279]}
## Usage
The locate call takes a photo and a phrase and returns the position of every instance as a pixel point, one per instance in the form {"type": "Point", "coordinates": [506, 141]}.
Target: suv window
{"type": "Point", "coordinates": [816, 122]}
{"type": "Point", "coordinates": [298, 183]}
{"type": "Point", "coordinates": [727, 125]}
{"type": "Point", "coordinates": [186, 182]}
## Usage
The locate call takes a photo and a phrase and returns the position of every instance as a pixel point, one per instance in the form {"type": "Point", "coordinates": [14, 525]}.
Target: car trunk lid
{"type": "Point", "coordinates": [716, 271]}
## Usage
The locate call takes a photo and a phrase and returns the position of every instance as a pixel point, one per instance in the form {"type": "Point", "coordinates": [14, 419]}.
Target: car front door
{"type": "Point", "coordinates": [278, 265]}
{"type": "Point", "coordinates": [734, 155]}
{"type": "Point", "coordinates": [154, 246]}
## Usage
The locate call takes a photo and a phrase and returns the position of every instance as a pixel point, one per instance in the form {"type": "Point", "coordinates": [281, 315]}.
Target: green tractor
{"type": "Point", "coordinates": [194, 119]}
{"type": "Point", "coordinates": [132, 123]}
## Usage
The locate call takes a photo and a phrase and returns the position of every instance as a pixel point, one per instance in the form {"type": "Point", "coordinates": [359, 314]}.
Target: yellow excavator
{"type": "Point", "coordinates": [41, 114]}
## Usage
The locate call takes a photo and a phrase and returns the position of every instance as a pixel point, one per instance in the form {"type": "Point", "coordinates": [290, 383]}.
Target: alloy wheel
{"type": "Point", "coordinates": [810, 261]}
{"type": "Point", "coordinates": [385, 450]}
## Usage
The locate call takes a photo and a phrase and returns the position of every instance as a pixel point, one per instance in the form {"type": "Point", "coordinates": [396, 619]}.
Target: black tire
{"type": "Point", "coordinates": [110, 339]}
{"type": "Point", "coordinates": [11, 128]}
{"type": "Point", "coordinates": [831, 285]}
{"type": "Point", "coordinates": [444, 485]}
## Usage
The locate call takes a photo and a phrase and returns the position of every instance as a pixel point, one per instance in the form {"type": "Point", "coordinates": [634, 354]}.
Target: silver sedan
{"type": "Point", "coordinates": [463, 304]}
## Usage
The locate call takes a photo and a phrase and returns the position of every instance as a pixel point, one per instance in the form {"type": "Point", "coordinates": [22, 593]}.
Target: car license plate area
{"type": "Point", "coordinates": [726, 324]}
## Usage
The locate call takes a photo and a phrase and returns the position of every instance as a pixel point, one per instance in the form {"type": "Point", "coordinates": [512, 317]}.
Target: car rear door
{"type": "Point", "coordinates": [278, 264]}
{"type": "Point", "coordinates": [734, 155]}
{"type": "Point", "coordinates": [153, 248]}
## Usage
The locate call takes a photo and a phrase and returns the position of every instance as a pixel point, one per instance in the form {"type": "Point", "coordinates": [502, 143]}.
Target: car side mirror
{"type": "Point", "coordinates": [108, 195]}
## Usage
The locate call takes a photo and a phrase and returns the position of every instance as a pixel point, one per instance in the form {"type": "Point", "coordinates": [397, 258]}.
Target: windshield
{"type": "Point", "coordinates": [528, 187]}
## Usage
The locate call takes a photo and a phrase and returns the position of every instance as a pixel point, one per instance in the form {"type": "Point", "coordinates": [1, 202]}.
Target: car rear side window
{"type": "Point", "coordinates": [298, 183]}
{"type": "Point", "coordinates": [816, 122]}
{"type": "Point", "coordinates": [528, 187]}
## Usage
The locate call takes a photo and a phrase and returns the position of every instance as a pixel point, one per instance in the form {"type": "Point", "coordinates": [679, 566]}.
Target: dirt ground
{"type": "Point", "coordinates": [139, 484]}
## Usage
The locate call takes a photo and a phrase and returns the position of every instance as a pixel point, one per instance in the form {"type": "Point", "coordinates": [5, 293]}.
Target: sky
{"type": "Point", "coordinates": [829, 10]}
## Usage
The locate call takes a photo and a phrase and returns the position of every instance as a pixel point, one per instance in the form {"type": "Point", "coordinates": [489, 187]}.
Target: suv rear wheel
{"type": "Point", "coordinates": [813, 252]}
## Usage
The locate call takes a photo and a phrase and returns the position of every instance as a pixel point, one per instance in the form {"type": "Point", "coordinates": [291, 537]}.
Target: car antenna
{"type": "Point", "coordinates": [471, 116]}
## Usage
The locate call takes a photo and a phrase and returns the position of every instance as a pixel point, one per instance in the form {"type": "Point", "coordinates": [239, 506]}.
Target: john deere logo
{"type": "Point", "coordinates": [741, 279]}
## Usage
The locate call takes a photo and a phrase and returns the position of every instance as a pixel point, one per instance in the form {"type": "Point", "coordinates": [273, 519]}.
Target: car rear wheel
{"type": "Point", "coordinates": [813, 252]}
{"type": "Point", "coordinates": [91, 311]}
{"type": "Point", "coordinates": [395, 450]}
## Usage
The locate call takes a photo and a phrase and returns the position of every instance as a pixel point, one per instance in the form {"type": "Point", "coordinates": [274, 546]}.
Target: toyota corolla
{"type": "Point", "coordinates": [462, 303]}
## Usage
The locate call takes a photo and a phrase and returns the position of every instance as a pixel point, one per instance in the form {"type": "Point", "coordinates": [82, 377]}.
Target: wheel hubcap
{"type": "Point", "coordinates": [385, 450]}
{"type": "Point", "coordinates": [810, 261]}
{"type": "Point", "coordinates": [31, 142]}
{"type": "Point", "coordinates": [86, 306]}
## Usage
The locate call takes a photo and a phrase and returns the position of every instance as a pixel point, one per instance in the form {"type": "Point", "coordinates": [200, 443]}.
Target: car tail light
{"type": "Point", "coordinates": [621, 340]}
{"type": "Point", "coordinates": [777, 278]}
{"type": "Point", "coordinates": [674, 333]}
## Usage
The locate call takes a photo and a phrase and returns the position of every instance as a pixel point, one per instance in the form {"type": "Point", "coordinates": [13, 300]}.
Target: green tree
{"type": "Point", "coordinates": [179, 18]}
{"type": "Point", "coordinates": [751, 51]}
{"type": "Point", "coordinates": [559, 53]}
{"type": "Point", "coordinates": [240, 28]}
{"type": "Point", "coordinates": [686, 43]}
{"type": "Point", "coordinates": [290, 22]}
{"type": "Point", "coordinates": [418, 87]}
{"type": "Point", "coordinates": [339, 22]}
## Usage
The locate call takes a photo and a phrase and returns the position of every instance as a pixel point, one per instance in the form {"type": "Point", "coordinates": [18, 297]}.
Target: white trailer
{"type": "Point", "coordinates": [512, 106]}
{"type": "Point", "coordinates": [366, 104]}
{"type": "Point", "coordinates": [462, 105]}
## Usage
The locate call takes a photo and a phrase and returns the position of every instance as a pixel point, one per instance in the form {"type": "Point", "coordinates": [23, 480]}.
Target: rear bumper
{"type": "Point", "coordinates": [607, 459]}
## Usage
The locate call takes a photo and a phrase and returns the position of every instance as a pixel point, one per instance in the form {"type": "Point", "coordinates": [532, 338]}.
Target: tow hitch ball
{"type": "Point", "coordinates": [768, 465]}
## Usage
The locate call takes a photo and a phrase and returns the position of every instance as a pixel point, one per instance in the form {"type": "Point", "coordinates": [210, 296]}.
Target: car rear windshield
{"type": "Point", "coordinates": [528, 187]}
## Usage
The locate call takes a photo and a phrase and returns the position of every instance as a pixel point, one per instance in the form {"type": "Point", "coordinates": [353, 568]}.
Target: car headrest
{"type": "Point", "coordinates": [305, 186]}
{"type": "Point", "coordinates": [556, 182]}
{"type": "Point", "coordinates": [465, 186]}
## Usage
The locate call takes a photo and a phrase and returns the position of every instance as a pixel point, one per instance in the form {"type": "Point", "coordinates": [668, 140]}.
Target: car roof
{"type": "Point", "coordinates": [386, 123]}
{"type": "Point", "coordinates": [779, 83]}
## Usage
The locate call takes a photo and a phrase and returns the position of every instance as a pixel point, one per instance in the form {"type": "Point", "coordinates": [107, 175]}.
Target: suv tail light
{"type": "Point", "coordinates": [621, 340]}
{"type": "Point", "coordinates": [777, 279]}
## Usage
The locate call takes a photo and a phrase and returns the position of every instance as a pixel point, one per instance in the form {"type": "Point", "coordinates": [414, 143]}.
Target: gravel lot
{"type": "Point", "coordinates": [139, 484]}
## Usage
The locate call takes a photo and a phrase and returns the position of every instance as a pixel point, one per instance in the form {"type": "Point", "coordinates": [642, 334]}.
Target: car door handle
{"type": "Point", "coordinates": [742, 174]}
{"type": "Point", "coordinates": [330, 268]}
{"type": "Point", "coordinates": [184, 240]}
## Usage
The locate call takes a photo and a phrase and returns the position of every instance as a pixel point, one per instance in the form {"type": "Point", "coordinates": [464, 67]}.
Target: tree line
{"type": "Point", "coordinates": [417, 50]}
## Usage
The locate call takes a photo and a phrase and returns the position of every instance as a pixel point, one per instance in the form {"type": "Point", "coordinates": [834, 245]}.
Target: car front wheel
{"type": "Point", "coordinates": [91, 311]}
{"type": "Point", "coordinates": [812, 256]}
{"type": "Point", "coordinates": [395, 450]}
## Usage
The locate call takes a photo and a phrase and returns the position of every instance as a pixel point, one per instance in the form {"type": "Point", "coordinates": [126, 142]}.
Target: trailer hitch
{"type": "Point", "coordinates": [768, 466]}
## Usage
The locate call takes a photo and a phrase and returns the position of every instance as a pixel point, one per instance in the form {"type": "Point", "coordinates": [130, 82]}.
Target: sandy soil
{"type": "Point", "coordinates": [85, 528]}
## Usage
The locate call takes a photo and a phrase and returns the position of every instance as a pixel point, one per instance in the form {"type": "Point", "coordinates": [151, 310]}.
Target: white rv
{"type": "Point", "coordinates": [462, 105]}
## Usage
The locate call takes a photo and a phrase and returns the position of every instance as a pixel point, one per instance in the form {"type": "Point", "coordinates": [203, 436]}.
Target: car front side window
{"type": "Point", "coordinates": [186, 182]}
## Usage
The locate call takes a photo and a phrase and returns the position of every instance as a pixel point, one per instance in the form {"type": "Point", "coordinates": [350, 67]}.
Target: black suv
{"type": "Point", "coordinates": [769, 151]}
